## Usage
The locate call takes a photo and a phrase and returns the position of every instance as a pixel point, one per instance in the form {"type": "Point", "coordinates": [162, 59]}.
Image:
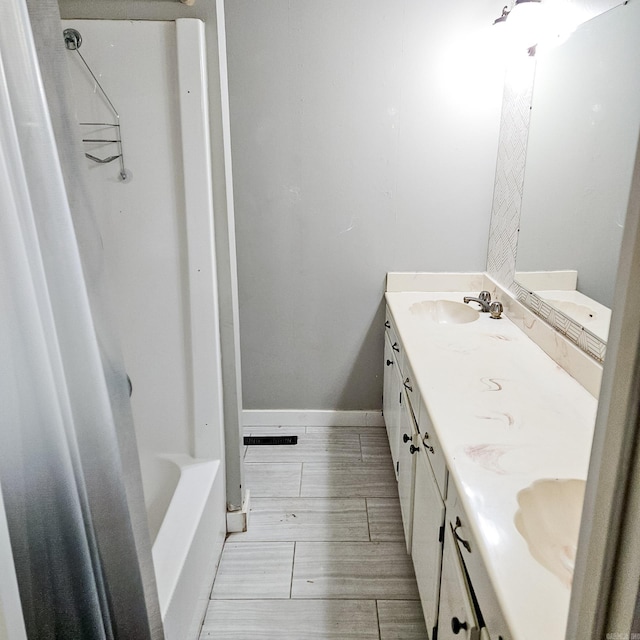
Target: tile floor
{"type": "Point", "coordinates": [324, 557]}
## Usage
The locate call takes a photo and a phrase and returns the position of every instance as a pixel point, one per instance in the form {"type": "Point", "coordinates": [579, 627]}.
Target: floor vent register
{"type": "Point", "coordinates": [253, 440]}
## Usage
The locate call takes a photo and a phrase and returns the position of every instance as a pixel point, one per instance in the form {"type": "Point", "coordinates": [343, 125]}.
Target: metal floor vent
{"type": "Point", "coordinates": [252, 440]}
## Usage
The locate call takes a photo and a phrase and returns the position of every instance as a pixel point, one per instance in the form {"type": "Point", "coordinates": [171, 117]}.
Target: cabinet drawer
{"type": "Point", "coordinates": [392, 333]}
{"type": "Point", "coordinates": [434, 450]}
{"type": "Point", "coordinates": [481, 584]}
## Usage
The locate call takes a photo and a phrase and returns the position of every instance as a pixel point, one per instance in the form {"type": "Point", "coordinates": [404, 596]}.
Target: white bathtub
{"type": "Point", "coordinates": [188, 542]}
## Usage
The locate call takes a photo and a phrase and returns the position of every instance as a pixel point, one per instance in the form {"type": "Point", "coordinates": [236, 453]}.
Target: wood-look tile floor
{"type": "Point", "coordinates": [324, 557]}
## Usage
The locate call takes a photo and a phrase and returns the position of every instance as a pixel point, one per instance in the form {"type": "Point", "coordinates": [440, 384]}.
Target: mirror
{"type": "Point", "coordinates": [583, 135]}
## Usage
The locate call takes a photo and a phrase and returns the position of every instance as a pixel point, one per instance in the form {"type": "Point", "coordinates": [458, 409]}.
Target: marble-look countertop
{"type": "Point", "coordinates": [506, 416]}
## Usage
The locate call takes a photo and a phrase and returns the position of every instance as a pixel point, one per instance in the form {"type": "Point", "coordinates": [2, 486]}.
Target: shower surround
{"type": "Point", "coordinates": [157, 230]}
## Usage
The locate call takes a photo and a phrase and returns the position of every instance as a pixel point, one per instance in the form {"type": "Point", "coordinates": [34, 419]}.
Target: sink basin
{"type": "Point", "coordinates": [444, 311]}
{"type": "Point", "coordinates": [549, 520]}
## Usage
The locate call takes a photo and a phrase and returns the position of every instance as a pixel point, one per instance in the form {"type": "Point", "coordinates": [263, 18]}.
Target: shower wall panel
{"type": "Point", "coordinates": [143, 221]}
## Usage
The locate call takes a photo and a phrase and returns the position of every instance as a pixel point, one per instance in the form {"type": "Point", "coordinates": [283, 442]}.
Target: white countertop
{"type": "Point", "coordinates": [506, 415]}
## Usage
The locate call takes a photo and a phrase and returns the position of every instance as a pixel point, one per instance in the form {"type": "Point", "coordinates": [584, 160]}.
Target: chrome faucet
{"type": "Point", "coordinates": [483, 299]}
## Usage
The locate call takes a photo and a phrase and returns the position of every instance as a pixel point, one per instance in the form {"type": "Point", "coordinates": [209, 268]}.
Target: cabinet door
{"type": "Point", "coordinates": [426, 539]}
{"type": "Point", "coordinates": [391, 400]}
{"type": "Point", "coordinates": [456, 617]}
{"type": "Point", "coordinates": [406, 472]}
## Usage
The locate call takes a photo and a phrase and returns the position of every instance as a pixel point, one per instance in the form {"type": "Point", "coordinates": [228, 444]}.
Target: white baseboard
{"type": "Point", "coordinates": [293, 418]}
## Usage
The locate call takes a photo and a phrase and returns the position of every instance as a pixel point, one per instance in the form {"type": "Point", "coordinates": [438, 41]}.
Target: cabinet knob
{"type": "Point", "coordinates": [395, 347]}
{"type": "Point", "coordinates": [389, 363]}
{"type": "Point", "coordinates": [413, 449]}
{"type": "Point", "coordinates": [457, 626]}
{"type": "Point", "coordinates": [387, 324]}
{"type": "Point", "coordinates": [406, 438]}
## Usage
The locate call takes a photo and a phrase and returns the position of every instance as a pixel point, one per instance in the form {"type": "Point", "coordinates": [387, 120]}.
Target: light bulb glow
{"type": "Point", "coordinates": [527, 22]}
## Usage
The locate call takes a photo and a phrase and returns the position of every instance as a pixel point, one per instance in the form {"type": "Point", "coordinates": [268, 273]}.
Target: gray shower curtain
{"type": "Point", "coordinates": [69, 473]}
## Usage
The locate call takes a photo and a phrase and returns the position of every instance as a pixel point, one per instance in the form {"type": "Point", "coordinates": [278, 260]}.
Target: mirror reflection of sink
{"type": "Point", "coordinates": [579, 312]}
{"type": "Point", "coordinates": [445, 311]}
{"type": "Point", "coordinates": [549, 520]}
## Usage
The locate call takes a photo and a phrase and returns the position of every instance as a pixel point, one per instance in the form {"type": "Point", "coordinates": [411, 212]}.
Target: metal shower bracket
{"type": "Point", "coordinates": [73, 42]}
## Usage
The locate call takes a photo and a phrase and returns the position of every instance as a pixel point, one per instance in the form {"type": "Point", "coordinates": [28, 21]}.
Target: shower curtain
{"type": "Point", "coordinates": [69, 473]}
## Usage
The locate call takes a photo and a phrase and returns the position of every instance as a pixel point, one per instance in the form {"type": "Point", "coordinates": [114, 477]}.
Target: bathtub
{"type": "Point", "coordinates": [188, 541]}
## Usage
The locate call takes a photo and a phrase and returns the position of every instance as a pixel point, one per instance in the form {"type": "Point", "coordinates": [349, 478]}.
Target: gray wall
{"type": "Point", "coordinates": [364, 140]}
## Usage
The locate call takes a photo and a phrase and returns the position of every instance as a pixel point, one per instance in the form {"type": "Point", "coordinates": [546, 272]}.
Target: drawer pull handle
{"type": "Point", "coordinates": [413, 449]}
{"type": "Point", "coordinates": [429, 447]}
{"type": "Point", "coordinates": [406, 438]}
{"type": "Point", "coordinates": [407, 386]}
{"type": "Point", "coordinates": [387, 324]}
{"type": "Point", "coordinates": [394, 346]}
{"type": "Point", "coordinates": [457, 626]}
{"type": "Point", "coordinates": [464, 543]}
{"type": "Point", "coordinates": [389, 363]}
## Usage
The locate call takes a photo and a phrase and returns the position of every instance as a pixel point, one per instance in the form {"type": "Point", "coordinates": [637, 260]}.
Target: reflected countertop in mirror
{"type": "Point", "coordinates": [559, 290]}
{"type": "Point", "coordinates": [583, 135]}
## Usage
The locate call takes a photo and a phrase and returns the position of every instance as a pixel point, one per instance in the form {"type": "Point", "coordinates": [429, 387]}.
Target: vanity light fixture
{"type": "Point", "coordinates": [525, 20]}
{"type": "Point", "coordinates": [502, 18]}
{"type": "Point", "coordinates": [527, 7]}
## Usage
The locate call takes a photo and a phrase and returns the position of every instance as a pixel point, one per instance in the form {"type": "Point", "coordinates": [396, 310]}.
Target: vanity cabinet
{"type": "Point", "coordinates": [496, 420]}
{"type": "Point", "coordinates": [428, 523]}
{"type": "Point", "coordinates": [420, 470]}
{"type": "Point", "coordinates": [401, 404]}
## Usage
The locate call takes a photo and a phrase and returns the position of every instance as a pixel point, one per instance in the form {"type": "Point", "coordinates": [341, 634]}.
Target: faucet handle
{"type": "Point", "coordinates": [495, 309]}
{"type": "Point", "coordinates": [485, 296]}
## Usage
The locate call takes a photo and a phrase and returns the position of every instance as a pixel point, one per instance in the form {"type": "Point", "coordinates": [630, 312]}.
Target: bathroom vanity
{"type": "Point", "coordinates": [490, 440]}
